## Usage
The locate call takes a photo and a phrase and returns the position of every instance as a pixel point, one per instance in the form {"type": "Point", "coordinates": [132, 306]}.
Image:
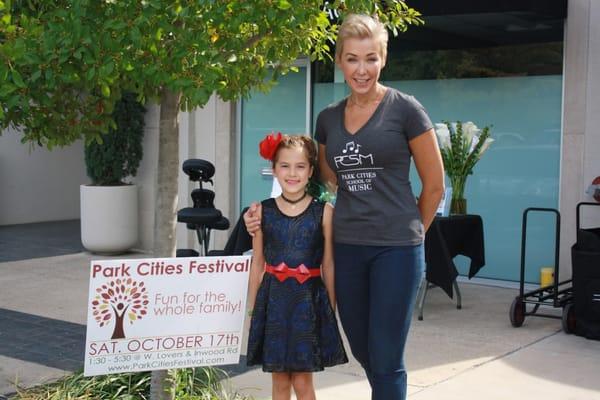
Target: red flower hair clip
{"type": "Point", "coordinates": [268, 146]}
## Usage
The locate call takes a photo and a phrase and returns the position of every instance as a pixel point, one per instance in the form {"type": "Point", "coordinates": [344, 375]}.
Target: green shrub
{"type": "Point", "coordinates": [119, 155]}
{"type": "Point", "coordinates": [190, 384]}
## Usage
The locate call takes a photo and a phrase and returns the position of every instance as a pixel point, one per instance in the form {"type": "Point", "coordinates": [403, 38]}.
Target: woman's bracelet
{"type": "Point", "coordinates": [250, 312]}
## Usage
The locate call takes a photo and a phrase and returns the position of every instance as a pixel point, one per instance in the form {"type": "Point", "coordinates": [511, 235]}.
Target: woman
{"type": "Point", "coordinates": [365, 145]}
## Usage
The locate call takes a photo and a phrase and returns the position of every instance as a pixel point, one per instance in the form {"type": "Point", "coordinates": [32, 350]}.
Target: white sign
{"type": "Point", "coordinates": [162, 313]}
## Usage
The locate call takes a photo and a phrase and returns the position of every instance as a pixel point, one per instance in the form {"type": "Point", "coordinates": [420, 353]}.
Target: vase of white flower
{"type": "Point", "coordinates": [461, 145]}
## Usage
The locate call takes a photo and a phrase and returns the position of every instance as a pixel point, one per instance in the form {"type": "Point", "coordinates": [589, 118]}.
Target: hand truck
{"type": "Point", "coordinates": [558, 294]}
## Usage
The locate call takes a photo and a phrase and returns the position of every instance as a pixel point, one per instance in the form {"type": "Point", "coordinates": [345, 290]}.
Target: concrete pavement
{"type": "Point", "coordinates": [472, 353]}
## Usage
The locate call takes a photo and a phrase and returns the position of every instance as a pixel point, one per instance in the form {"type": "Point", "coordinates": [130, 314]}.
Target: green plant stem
{"type": "Point", "coordinates": [458, 186]}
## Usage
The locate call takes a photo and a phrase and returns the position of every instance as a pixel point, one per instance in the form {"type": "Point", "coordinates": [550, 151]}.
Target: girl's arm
{"type": "Point", "coordinates": [257, 268]}
{"type": "Point", "coordinates": [327, 266]}
{"type": "Point", "coordinates": [430, 167]}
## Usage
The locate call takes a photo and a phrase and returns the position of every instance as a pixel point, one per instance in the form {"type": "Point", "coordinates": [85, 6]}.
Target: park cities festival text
{"type": "Point", "coordinates": [160, 268]}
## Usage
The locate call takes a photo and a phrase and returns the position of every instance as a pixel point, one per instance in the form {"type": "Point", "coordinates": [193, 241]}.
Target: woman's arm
{"type": "Point", "coordinates": [430, 167]}
{"type": "Point", "coordinates": [257, 267]}
{"type": "Point", "coordinates": [327, 266]}
{"type": "Point", "coordinates": [327, 176]}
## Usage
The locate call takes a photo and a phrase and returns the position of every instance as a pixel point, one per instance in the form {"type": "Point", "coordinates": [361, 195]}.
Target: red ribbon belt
{"type": "Point", "coordinates": [301, 273]}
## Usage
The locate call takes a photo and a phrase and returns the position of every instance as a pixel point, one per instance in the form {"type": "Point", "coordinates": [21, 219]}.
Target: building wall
{"type": "Point", "coordinates": [36, 184]}
{"type": "Point", "coordinates": [207, 133]}
{"type": "Point", "coordinates": [146, 179]}
{"type": "Point", "coordinates": [580, 161]}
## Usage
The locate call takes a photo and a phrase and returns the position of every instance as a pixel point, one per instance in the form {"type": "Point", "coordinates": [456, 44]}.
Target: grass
{"type": "Point", "coordinates": [189, 384]}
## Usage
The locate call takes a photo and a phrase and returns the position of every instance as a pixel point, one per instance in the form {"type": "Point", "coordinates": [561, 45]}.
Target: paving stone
{"type": "Point", "coordinates": [44, 239]}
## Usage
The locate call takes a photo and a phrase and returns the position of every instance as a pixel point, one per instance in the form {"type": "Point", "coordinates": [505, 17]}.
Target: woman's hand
{"type": "Point", "coordinates": [252, 218]}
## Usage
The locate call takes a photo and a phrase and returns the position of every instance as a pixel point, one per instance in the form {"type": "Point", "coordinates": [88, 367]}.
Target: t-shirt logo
{"type": "Point", "coordinates": [351, 157]}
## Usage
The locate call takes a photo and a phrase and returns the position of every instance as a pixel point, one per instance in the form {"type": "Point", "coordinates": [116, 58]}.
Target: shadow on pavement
{"type": "Point", "coordinates": [45, 341]}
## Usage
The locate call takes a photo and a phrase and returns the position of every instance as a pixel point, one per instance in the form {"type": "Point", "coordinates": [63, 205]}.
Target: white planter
{"type": "Point", "coordinates": [109, 218]}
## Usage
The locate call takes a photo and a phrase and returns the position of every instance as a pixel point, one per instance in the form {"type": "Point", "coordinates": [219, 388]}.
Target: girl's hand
{"type": "Point", "coordinates": [252, 218]}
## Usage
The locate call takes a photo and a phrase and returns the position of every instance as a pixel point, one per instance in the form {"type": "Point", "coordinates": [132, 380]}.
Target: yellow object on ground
{"type": "Point", "coordinates": [546, 276]}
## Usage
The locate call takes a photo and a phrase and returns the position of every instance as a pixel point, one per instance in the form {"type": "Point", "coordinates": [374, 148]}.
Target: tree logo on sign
{"type": "Point", "coordinates": [120, 299]}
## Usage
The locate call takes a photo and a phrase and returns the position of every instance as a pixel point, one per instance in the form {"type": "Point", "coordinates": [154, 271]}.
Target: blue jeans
{"type": "Point", "coordinates": [376, 288]}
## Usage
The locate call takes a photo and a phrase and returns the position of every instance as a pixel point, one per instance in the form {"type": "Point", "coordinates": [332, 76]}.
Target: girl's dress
{"type": "Point", "coordinates": [293, 327]}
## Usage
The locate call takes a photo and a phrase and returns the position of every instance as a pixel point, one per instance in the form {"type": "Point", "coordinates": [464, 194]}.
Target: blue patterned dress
{"type": "Point", "coordinates": [293, 327]}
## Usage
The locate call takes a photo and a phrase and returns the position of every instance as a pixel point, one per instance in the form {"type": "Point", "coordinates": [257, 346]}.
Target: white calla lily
{"type": "Point", "coordinates": [439, 126]}
{"type": "Point", "coordinates": [454, 126]}
{"type": "Point", "coordinates": [485, 145]}
{"type": "Point", "coordinates": [443, 135]}
{"type": "Point", "coordinates": [470, 130]}
{"type": "Point", "coordinates": [474, 141]}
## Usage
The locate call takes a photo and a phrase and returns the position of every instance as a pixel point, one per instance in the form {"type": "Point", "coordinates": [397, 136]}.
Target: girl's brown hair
{"type": "Point", "coordinates": [302, 141]}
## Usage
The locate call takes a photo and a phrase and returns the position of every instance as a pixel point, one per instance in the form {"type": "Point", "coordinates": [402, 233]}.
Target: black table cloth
{"type": "Point", "coordinates": [239, 240]}
{"type": "Point", "coordinates": [448, 237]}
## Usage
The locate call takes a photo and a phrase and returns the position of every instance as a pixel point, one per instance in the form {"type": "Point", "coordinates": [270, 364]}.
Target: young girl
{"type": "Point", "coordinates": [294, 330]}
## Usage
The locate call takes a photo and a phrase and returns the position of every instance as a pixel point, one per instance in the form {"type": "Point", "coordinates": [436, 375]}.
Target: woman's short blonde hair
{"type": "Point", "coordinates": [360, 26]}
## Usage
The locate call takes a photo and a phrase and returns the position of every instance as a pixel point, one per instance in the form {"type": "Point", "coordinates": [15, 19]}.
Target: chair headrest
{"type": "Point", "coordinates": [198, 170]}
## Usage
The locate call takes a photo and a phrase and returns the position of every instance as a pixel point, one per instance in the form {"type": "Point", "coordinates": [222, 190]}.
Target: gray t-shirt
{"type": "Point", "coordinates": [375, 204]}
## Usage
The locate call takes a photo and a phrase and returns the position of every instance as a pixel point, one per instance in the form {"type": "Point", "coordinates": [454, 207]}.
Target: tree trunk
{"type": "Point", "coordinates": [161, 387]}
{"type": "Point", "coordinates": [165, 214]}
{"type": "Point", "coordinates": [118, 332]}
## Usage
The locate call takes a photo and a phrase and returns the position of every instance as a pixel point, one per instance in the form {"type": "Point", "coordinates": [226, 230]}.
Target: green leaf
{"type": "Point", "coordinates": [135, 34]}
{"type": "Point", "coordinates": [90, 74]}
{"type": "Point", "coordinates": [6, 89]}
{"type": "Point", "coordinates": [13, 101]}
{"type": "Point", "coordinates": [87, 57]}
{"type": "Point", "coordinates": [36, 75]}
{"type": "Point", "coordinates": [64, 57]}
{"type": "Point", "coordinates": [106, 69]}
{"type": "Point", "coordinates": [17, 79]}
{"type": "Point", "coordinates": [78, 54]}
{"type": "Point", "coordinates": [105, 90]}
{"type": "Point", "coordinates": [284, 4]}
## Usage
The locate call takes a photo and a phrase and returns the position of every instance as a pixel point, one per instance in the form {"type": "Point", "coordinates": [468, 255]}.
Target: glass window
{"type": "Point", "coordinates": [491, 62]}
